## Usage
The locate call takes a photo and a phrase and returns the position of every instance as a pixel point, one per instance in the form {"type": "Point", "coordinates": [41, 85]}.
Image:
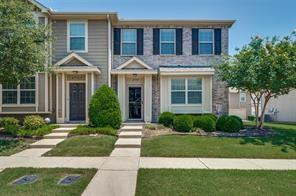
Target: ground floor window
{"type": "Point", "coordinates": [23, 93]}
{"type": "Point", "coordinates": [186, 91]}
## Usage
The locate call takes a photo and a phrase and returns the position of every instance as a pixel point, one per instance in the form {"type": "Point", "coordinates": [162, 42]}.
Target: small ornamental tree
{"type": "Point", "coordinates": [266, 68]}
{"type": "Point", "coordinates": [104, 109]}
{"type": "Point", "coordinates": [23, 41]}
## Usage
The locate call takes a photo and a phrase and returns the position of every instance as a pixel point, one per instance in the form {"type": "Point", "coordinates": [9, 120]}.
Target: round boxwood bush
{"type": "Point", "coordinates": [167, 119]}
{"type": "Point", "coordinates": [228, 124]}
{"type": "Point", "coordinates": [104, 109]}
{"type": "Point", "coordinates": [10, 125]}
{"type": "Point", "coordinates": [33, 122]}
{"type": "Point", "coordinates": [183, 123]}
{"type": "Point", "coordinates": [212, 116]}
{"type": "Point", "coordinates": [239, 120]}
{"type": "Point", "coordinates": [205, 123]}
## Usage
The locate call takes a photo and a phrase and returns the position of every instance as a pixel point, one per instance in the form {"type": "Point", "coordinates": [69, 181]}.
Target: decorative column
{"type": "Point", "coordinates": [121, 95]}
{"type": "Point", "coordinates": [148, 98]}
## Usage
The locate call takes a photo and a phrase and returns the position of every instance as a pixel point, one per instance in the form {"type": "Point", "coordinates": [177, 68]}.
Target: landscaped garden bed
{"type": "Point", "coordinates": [46, 182]}
{"type": "Point", "coordinates": [276, 141]}
{"type": "Point", "coordinates": [12, 146]}
{"type": "Point", "coordinates": [187, 182]}
{"type": "Point", "coordinates": [100, 145]}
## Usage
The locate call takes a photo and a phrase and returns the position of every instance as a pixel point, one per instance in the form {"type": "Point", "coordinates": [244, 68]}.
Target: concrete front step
{"type": "Point", "coordinates": [63, 130]}
{"type": "Point", "coordinates": [128, 143]}
{"type": "Point", "coordinates": [130, 134]}
{"type": "Point", "coordinates": [132, 128]}
{"type": "Point", "coordinates": [68, 125]}
{"type": "Point", "coordinates": [46, 143]}
{"type": "Point", "coordinates": [56, 136]}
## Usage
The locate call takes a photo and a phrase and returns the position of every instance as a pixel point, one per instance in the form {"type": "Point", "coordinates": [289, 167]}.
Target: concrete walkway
{"type": "Point", "coordinates": [50, 141]}
{"type": "Point", "coordinates": [118, 174]}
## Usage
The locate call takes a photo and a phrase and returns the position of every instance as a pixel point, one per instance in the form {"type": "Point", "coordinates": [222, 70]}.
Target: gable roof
{"type": "Point", "coordinates": [71, 57]}
{"type": "Point", "coordinates": [39, 5]}
{"type": "Point", "coordinates": [132, 60]}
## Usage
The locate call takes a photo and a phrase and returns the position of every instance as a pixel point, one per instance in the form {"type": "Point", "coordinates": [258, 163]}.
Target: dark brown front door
{"type": "Point", "coordinates": [77, 102]}
{"type": "Point", "coordinates": [135, 103]}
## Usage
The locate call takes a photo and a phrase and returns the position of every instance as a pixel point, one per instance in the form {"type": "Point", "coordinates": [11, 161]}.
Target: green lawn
{"type": "Point", "coordinates": [46, 183]}
{"type": "Point", "coordinates": [281, 145]}
{"type": "Point", "coordinates": [169, 182]}
{"type": "Point", "coordinates": [8, 148]}
{"type": "Point", "coordinates": [101, 145]}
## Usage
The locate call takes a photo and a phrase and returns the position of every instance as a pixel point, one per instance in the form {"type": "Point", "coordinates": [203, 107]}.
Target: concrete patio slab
{"type": "Point", "coordinates": [46, 143]}
{"type": "Point", "coordinates": [283, 164]}
{"type": "Point", "coordinates": [126, 152]}
{"type": "Point", "coordinates": [217, 163]}
{"type": "Point", "coordinates": [176, 163]}
{"type": "Point", "coordinates": [121, 163]}
{"type": "Point", "coordinates": [33, 152]}
{"type": "Point", "coordinates": [112, 183]}
{"type": "Point", "coordinates": [84, 162]}
{"type": "Point", "coordinates": [56, 135]}
{"type": "Point", "coordinates": [128, 143]}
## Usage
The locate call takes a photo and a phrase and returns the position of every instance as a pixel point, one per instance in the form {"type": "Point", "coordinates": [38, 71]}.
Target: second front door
{"type": "Point", "coordinates": [135, 103]}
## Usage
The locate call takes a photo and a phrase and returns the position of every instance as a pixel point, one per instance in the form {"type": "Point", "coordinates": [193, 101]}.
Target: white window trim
{"type": "Point", "coordinates": [128, 42]}
{"type": "Point", "coordinates": [86, 35]}
{"type": "Point", "coordinates": [167, 42]}
{"type": "Point", "coordinates": [18, 98]}
{"type": "Point", "coordinates": [186, 92]}
{"type": "Point", "coordinates": [242, 95]}
{"type": "Point", "coordinates": [207, 42]}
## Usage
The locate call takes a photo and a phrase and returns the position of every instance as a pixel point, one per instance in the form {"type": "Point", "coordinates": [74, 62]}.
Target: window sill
{"type": "Point", "coordinates": [186, 105]}
{"type": "Point", "coordinates": [18, 105]}
{"type": "Point", "coordinates": [167, 55]}
{"type": "Point", "coordinates": [77, 51]}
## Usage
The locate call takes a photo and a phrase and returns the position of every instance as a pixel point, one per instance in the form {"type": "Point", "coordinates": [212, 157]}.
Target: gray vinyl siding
{"type": "Point", "coordinates": [97, 45]}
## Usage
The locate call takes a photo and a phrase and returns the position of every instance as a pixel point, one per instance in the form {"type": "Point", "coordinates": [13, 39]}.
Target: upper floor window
{"type": "Point", "coordinates": [186, 91]}
{"type": "Point", "coordinates": [77, 36]}
{"type": "Point", "coordinates": [242, 97]}
{"type": "Point", "coordinates": [206, 41]}
{"type": "Point", "coordinates": [128, 42]}
{"type": "Point", "coordinates": [167, 41]}
{"type": "Point", "coordinates": [24, 93]}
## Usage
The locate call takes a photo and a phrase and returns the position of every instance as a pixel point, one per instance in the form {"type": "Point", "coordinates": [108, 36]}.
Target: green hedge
{"type": "Point", "coordinates": [44, 130]}
{"type": "Point", "coordinates": [104, 109]}
{"type": "Point", "coordinates": [33, 122]}
{"type": "Point", "coordinates": [10, 125]}
{"type": "Point", "coordinates": [86, 130]}
{"type": "Point", "coordinates": [228, 124]}
{"type": "Point", "coordinates": [205, 123]}
{"type": "Point", "coordinates": [183, 123]}
{"type": "Point", "coordinates": [239, 120]}
{"type": "Point", "coordinates": [167, 119]}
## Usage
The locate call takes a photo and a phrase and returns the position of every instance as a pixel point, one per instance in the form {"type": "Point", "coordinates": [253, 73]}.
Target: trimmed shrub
{"type": "Point", "coordinates": [167, 119]}
{"type": "Point", "coordinates": [86, 130]}
{"type": "Point", "coordinates": [33, 122]}
{"type": "Point", "coordinates": [44, 130]}
{"type": "Point", "coordinates": [205, 123]}
{"type": "Point", "coordinates": [10, 125]}
{"type": "Point", "coordinates": [212, 116]}
{"type": "Point", "coordinates": [228, 124]}
{"type": "Point", "coordinates": [104, 109]}
{"type": "Point", "coordinates": [239, 120]}
{"type": "Point", "coordinates": [251, 118]}
{"type": "Point", "coordinates": [183, 123]}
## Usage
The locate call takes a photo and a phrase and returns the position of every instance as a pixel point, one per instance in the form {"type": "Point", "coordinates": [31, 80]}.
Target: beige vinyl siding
{"type": "Point", "coordinates": [97, 45]}
{"type": "Point", "coordinates": [205, 107]}
{"type": "Point", "coordinates": [18, 109]}
{"type": "Point", "coordinates": [241, 109]}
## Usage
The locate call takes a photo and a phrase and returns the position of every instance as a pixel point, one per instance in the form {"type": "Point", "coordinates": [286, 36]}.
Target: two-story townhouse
{"type": "Point", "coordinates": [167, 65]}
{"type": "Point", "coordinates": [154, 66]}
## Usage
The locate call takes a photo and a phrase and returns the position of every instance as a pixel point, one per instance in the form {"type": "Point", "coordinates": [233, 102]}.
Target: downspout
{"type": "Point", "coordinates": [109, 51]}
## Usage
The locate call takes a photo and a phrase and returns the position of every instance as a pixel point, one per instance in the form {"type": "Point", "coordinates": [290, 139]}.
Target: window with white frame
{"type": "Point", "coordinates": [128, 42]}
{"type": "Point", "coordinates": [24, 93]}
{"type": "Point", "coordinates": [186, 91]}
{"type": "Point", "coordinates": [242, 97]}
{"type": "Point", "coordinates": [77, 40]}
{"type": "Point", "coordinates": [206, 41]}
{"type": "Point", "coordinates": [167, 41]}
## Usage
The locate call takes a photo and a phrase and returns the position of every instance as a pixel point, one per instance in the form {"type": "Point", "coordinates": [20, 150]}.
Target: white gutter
{"type": "Point", "coordinates": [109, 51]}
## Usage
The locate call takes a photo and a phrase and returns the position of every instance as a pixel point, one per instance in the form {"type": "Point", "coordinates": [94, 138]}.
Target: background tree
{"type": "Point", "coordinates": [22, 41]}
{"type": "Point", "coordinates": [266, 68]}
